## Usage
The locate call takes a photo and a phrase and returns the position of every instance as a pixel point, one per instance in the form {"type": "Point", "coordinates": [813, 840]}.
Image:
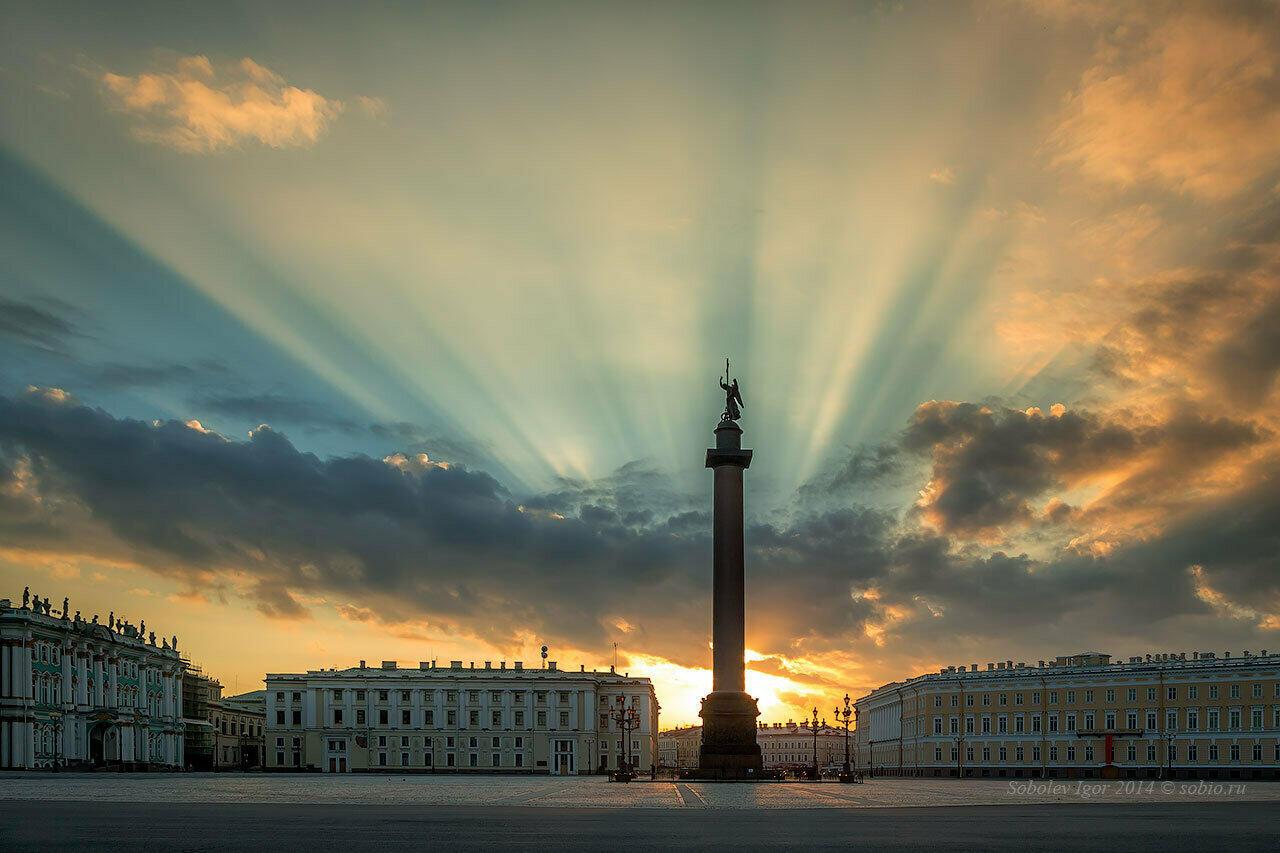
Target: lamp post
{"type": "Point", "coordinates": [843, 715]}
{"type": "Point", "coordinates": [628, 720]}
{"type": "Point", "coordinates": [1168, 752]}
{"type": "Point", "coordinates": [815, 742]}
{"type": "Point", "coordinates": [858, 731]}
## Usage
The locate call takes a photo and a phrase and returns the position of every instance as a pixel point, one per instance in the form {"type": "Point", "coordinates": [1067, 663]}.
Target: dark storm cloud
{"type": "Point", "coordinates": [275, 408]}
{"type": "Point", "coordinates": [408, 540]}
{"type": "Point", "coordinates": [40, 323]}
{"type": "Point", "coordinates": [122, 375]}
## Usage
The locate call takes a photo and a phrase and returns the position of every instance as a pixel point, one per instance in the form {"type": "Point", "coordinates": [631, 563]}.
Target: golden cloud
{"type": "Point", "coordinates": [1187, 103]}
{"type": "Point", "coordinates": [197, 107]}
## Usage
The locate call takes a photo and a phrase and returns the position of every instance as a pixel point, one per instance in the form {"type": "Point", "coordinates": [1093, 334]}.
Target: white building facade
{"type": "Point", "coordinates": [790, 746]}
{"type": "Point", "coordinates": [79, 694]}
{"type": "Point", "coordinates": [456, 719]}
{"type": "Point", "coordinates": [1169, 715]}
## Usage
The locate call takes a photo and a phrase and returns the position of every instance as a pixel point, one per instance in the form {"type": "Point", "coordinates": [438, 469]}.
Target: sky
{"type": "Point", "coordinates": [332, 333]}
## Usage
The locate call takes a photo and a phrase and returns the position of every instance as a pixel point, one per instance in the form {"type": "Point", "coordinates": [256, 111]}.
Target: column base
{"type": "Point", "coordinates": [729, 749]}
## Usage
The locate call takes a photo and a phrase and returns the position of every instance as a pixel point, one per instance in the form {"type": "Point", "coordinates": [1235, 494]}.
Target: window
{"type": "Point", "coordinates": [449, 760]}
{"type": "Point", "coordinates": [519, 722]}
{"type": "Point", "coordinates": [1172, 694]}
{"type": "Point", "coordinates": [1088, 721]}
{"type": "Point", "coordinates": [1053, 722]}
{"type": "Point", "coordinates": [297, 718]}
{"type": "Point", "coordinates": [1088, 697]}
{"type": "Point", "coordinates": [383, 696]}
{"type": "Point", "coordinates": [1151, 753]}
{"type": "Point", "coordinates": [1133, 752]}
{"type": "Point", "coordinates": [1002, 724]}
{"type": "Point", "coordinates": [1053, 753]}
{"type": "Point", "coordinates": [986, 725]}
{"type": "Point", "coordinates": [496, 759]}
{"type": "Point", "coordinates": [1235, 691]}
{"type": "Point", "coordinates": [1018, 724]}
{"type": "Point", "coordinates": [473, 760]}
{"type": "Point", "coordinates": [1193, 720]}
{"type": "Point", "coordinates": [280, 717]}
{"type": "Point", "coordinates": [968, 701]}
{"type": "Point", "coordinates": [1088, 753]}
{"type": "Point", "coordinates": [1235, 752]}
{"type": "Point", "coordinates": [404, 759]}
{"type": "Point", "coordinates": [404, 695]}
{"type": "Point", "coordinates": [1257, 752]}
{"type": "Point", "coordinates": [1132, 694]}
{"type": "Point", "coordinates": [1213, 752]}
{"type": "Point", "coordinates": [497, 719]}
{"type": "Point", "coordinates": [955, 700]}
{"type": "Point", "coordinates": [1213, 691]}
{"type": "Point", "coordinates": [1234, 717]}
{"type": "Point", "coordinates": [1071, 753]}
{"type": "Point", "coordinates": [1053, 697]}
{"type": "Point", "coordinates": [986, 699]}
{"type": "Point", "coordinates": [937, 725]}
{"type": "Point", "coordinates": [429, 718]}
{"type": "Point", "coordinates": [297, 697]}
{"type": "Point", "coordinates": [473, 718]}
{"type": "Point", "coordinates": [519, 743]}
{"type": "Point", "coordinates": [1035, 698]}
{"type": "Point", "coordinates": [1171, 720]}
{"type": "Point", "coordinates": [1111, 695]}
{"type": "Point", "coordinates": [1019, 754]}
{"type": "Point", "coordinates": [937, 700]}
{"type": "Point", "coordinates": [359, 695]}
{"type": "Point", "coordinates": [519, 759]}
{"type": "Point", "coordinates": [406, 717]}
{"type": "Point", "coordinates": [337, 695]}
{"type": "Point", "coordinates": [359, 716]}
{"type": "Point", "coordinates": [1131, 720]}
{"type": "Point", "coordinates": [382, 716]}
{"type": "Point", "coordinates": [279, 695]}
{"type": "Point", "coordinates": [1193, 691]}
{"type": "Point", "coordinates": [1151, 720]}
{"type": "Point", "coordinates": [1213, 719]}
{"type": "Point", "coordinates": [542, 719]}
{"type": "Point", "coordinates": [337, 716]}
{"type": "Point", "coordinates": [564, 719]}
{"type": "Point", "coordinates": [451, 718]}
{"type": "Point", "coordinates": [1151, 694]}
{"type": "Point", "coordinates": [986, 753]}
{"type": "Point", "coordinates": [1004, 754]}
{"type": "Point", "coordinates": [1111, 719]}
{"type": "Point", "coordinates": [1191, 752]}
{"type": "Point", "coordinates": [472, 742]}
{"type": "Point", "coordinates": [937, 753]}
{"type": "Point", "coordinates": [473, 696]}
{"type": "Point", "coordinates": [1071, 697]}
{"type": "Point", "coordinates": [382, 740]}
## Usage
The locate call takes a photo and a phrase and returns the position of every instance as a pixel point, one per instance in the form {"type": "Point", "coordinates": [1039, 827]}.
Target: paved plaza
{"type": "Point", "coordinates": [588, 792]}
{"type": "Point", "coordinates": [253, 811]}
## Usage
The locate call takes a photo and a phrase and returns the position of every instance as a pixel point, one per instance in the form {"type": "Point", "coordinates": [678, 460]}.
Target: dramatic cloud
{"type": "Point", "coordinates": [1184, 100]}
{"type": "Point", "coordinates": [197, 107]}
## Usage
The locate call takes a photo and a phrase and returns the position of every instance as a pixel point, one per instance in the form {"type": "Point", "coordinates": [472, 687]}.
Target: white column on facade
{"type": "Point", "coordinates": [6, 669]}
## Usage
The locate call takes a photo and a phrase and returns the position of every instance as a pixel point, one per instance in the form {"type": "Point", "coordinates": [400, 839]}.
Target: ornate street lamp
{"type": "Point", "coordinates": [846, 774]}
{"type": "Point", "coordinates": [816, 777]}
{"type": "Point", "coordinates": [628, 720]}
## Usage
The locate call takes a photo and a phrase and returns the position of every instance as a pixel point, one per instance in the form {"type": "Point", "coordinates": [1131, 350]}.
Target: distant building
{"type": "Point", "coordinates": [238, 730]}
{"type": "Point", "coordinates": [790, 746]}
{"type": "Point", "coordinates": [76, 693]}
{"type": "Point", "coordinates": [679, 748]}
{"type": "Point", "coordinates": [1080, 716]}
{"type": "Point", "coordinates": [495, 719]}
{"type": "Point", "coordinates": [198, 692]}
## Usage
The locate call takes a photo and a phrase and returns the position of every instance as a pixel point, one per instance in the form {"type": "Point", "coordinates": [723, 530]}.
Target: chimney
{"type": "Point", "coordinates": [488, 664]}
{"type": "Point", "coordinates": [551, 665]}
{"type": "Point", "coordinates": [362, 664]}
{"type": "Point", "coordinates": [519, 665]}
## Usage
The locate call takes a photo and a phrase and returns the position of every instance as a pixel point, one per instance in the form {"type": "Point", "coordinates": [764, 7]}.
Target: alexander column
{"type": "Point", "coordinates": [729, 748]}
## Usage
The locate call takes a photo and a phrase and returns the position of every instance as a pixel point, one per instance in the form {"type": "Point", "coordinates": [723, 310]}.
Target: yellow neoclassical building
{"type": "Point", "coordinates": [494, 718]}
{"type": "Point", "coordinates": [1175, 715]}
